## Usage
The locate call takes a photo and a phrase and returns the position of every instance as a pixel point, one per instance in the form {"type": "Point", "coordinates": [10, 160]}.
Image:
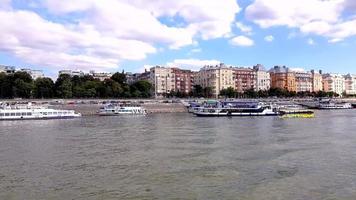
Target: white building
{"type": "Point", "coordinates": [350, 84]}
{"type": "Point", "coordinates": [35, 74]}
{"type": "Point", "coordinates": [263, 78]}
{"type": "Point", "coordinates": [72, 73]}
{"type": "Point", "coordinates": [334, 83]}
{"type": "Point", "coordinates": [100, 75]}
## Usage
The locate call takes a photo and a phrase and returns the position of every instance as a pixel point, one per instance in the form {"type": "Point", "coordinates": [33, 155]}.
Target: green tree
{"type": "Point", "coordinates": [22, 85]}
{"type": "Point", "coordinates": [198, 91]}
{"type": "Point", "coordinates": [143, 86]}
{"type": "Point", "coordinates": [6, 83]}
{"type": "Point", "coordinates": [119, 77]}
{"type": "Point", "coordinates": [63, 86]}
{"type": "Point", "coordinates": [228, 92]}
{"type": "Point", "coordinates": [44, 88]}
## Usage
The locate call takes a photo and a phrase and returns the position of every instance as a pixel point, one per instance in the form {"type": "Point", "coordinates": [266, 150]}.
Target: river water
{"type": "Point", "coordinates": [179, 156]}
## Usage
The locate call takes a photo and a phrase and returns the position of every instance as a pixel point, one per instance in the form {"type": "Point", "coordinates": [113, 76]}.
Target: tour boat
{"type": "Point", "coordinates": [334, 106]}
{"type": "Point", "coordinates": [112, 110]}
{"type": "Point", "coordinates": [19, 112]}
{"type": "Point", "coordinates": [228, 109]}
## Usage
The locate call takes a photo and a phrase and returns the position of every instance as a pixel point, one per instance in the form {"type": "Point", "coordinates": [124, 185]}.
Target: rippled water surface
{"type": "Point", "coordinates": [178, 156]}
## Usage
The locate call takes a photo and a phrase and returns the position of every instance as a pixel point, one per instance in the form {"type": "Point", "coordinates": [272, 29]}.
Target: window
{"type": "Point", "coordinates": [12, 114]}
{"type": "Point", "coordinates": [1, 114]}
{"type": "Point", "coordinates": [7, 114]}
{"type": "Point", "coordinates": [18, 114]}
{"type": "Point", "coordinates": [29, 114]}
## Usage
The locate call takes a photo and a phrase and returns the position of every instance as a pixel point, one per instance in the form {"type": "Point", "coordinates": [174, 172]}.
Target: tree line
{"type": "Point", "coordinates": [21, 85]}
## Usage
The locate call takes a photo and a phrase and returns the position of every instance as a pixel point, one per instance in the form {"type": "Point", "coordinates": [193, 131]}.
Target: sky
{"type": "Point", "coordinates": [131, 35]}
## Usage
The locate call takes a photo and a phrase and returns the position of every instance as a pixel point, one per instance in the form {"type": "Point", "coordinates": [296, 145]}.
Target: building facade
{"type": "Point", "coordinates": [283, 78]}
{"type": "Point", "coordinates": [304, 81]}
{"type": "Point", "coordinates": [184, 80]}
{"type": "Point", "coordinates": [263, 78]}
{"type": "Point", "coordinates": [317, 81]}
{"type": "Point", "coordinates": [334, 83]}
{"type": "Point", "coordinates": [163, 80]}
{"type": "Point", "coordinates": [215, 77]}
{"type": "Point", "coordinates": [100, 75]}
{"type": "Point", "coordinates": [72, 73]}
{"type": "Point", "coordinates": [245, 79]}
{"type": "Point", "coordinates": [35, 74]}
{"type": "Point", "coordinates": [350, 84]}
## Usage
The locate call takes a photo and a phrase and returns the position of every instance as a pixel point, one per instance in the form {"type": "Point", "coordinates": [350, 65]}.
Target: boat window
{"type": "Point", "coordinates": [49, 113]}
{"type": "Point", "coordinates": [23, 114]}
{"type": "Point", "coordinates": [55, 113]}
{"type": "Point", "coordinates": [1, 114]}
{"type": "Point", "coordinates": [7, 114]}
{"type": "Point", "coordinates": [12, 114]}
{"type": "Point", "coordinates": [29, 114]}
{"type": "Point", "coordinates": [18, 114]}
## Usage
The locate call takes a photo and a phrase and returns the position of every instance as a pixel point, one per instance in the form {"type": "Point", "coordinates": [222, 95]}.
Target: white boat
{"type": "Point", "coordinates": [333, 106]}
{"type": "Point", "coordinates": [112, 110]}
{"type": "Point", "coordinates": [257, 110]}
{"type": "Point", "coordinates": [19, 112]}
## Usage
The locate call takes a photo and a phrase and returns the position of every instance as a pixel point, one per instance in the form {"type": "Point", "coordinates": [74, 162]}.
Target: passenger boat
{"type": "Point", "coordinates": [237, 109]}
{"type": "Point", "coordinates": [19, 112]}
{"type": "Point", "coordinates": [112, 110]}
{"type": "Point", "coordinates": [334, 106]}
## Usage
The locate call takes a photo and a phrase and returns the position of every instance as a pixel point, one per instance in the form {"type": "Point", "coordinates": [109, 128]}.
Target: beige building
{"type": "Point", "coordinates": [334, 83]}
{"type": "Point", "coordinates": [163, 80]}
{"type": "Point", "coordinates": [350, 84]}
{"type": "Point", "coordinates": [304, 81]}
{"type": "Point", "coordinates": [216, 77]}
{"type": "Point", "coordinates": [317, 81]}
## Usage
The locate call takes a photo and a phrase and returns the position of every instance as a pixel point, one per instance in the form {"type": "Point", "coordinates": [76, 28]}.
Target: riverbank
{"type": "Point", "coordinates": [88, 107]}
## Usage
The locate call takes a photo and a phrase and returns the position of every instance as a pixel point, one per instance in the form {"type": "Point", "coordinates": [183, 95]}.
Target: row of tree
{"type": "Point", "coordinates": [21, 85]}
{"type": "Point", "coordinates": [273, 92]}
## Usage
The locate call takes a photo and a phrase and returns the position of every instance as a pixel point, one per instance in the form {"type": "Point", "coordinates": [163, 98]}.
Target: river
{"type": "Point", "coordinates": [179, 156]}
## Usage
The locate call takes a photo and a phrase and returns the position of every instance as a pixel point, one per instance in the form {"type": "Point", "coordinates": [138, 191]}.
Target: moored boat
{"type": "Point", "coordinates": [231, 109]}
{"type": "Point", "coordinates": [31, 112]}
{"type": "Point", "coordinates": [113, 110]}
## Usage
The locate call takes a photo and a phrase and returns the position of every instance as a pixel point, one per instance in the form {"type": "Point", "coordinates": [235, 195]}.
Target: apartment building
{"type": "Point", "coordinates": [334, 83]}
{"type": "Point", "coordinates": [283, 78]}
{"type": "Point", "coordinates": [163, 80]}
{"type": "Point", "coordinates": [263, 78]}
{"type": "Point", "coordinates": [72, 73]}
{"type": "Point", "coordinates": [245, 79]}
{"type": "Point", "coordinates": [303, 81]}
{"type": "Point", "coordinates": [216, 77]}
{"type": "Point", "coordinates": [35, 74]}
{"type": "Point", "coordinates": [100, 75]}
{"type": "Point", "coordinates": [317, 81]}
{"type": "Point", "coordinates": [184, 80]}
{"type": "Point", "coordinates": [350, 84]}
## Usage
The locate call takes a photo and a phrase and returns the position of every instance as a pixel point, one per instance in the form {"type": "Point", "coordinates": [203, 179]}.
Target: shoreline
{"type": "Point", "coordinates": [89, 107]}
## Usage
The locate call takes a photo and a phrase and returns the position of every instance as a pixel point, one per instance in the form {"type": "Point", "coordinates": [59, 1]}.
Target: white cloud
{"type": "Point", "coordinates": [96, 34]}
{"type": "Point", "coordinates": [193, 64]}
{"type": "Point", "coordinates": [269, 38]}
{"type": "Point", "coordinates": [242, 41]}
{"type": "Point", "coordinates": [317, 17]}
{"type": "Point", "coordinates": [243, 28]}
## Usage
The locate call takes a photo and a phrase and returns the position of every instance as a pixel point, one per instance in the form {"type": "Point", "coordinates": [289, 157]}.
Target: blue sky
{"type": "Point", "coordinates": [133, 35]}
